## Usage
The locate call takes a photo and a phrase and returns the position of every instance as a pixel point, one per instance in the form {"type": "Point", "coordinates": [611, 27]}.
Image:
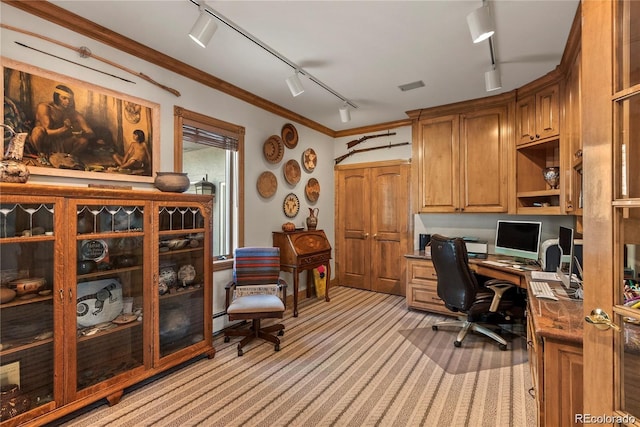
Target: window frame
{"type": "Point", "coordinates": [180, 116]}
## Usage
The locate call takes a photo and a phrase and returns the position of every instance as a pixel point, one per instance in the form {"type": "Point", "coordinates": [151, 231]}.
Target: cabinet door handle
{"type": "Point", "coordinates": [70, 295]}
{"type": "Point", "coordinates": [61, 291]}
{"type": "Point", "coordinates": [531, 138]}
{"type": "Point", "coordinates": [537, 136]}
{"type": "Point", "coordinates": [365, 235]}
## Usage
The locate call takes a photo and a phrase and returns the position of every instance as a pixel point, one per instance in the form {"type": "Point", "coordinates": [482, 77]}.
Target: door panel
{"type": "Point", "coordinates": [390, 207]}
{"type": "Point", "coordinates": [353, 229]}
{"type": "Point", "coordinates": [439, 175]}
{"type": "Point", "coordinates": [484, 151]}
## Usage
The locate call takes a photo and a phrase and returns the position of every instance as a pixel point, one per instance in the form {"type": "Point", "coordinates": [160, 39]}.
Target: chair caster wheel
{"type": "Point", "coordinates": [277, 347]}
{"type": "Point", "coordinates": [240, 352]}
{"type": "Point", "coordinates": [502, 347]}
{"type": "Point", "coordinates": [457, 343]}
{"type": "Point", "coordinates": [227, 339]}
{"type": "Point", "coordinates": [281, 332]}
{"type": "Point", "coordinates": [434, 328]}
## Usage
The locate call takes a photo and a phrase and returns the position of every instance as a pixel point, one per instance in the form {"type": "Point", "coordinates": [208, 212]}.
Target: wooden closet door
{"type": "Point", "coordinates": [353, 228]}
{"type": "Point", "coordinates": [389, 226]}
{"type": "Point", "coordinates": [372, 226]}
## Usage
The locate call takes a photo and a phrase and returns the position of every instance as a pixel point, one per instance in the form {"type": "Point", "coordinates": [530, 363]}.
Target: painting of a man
{"type": "Point", "coordinates": [59, 128]}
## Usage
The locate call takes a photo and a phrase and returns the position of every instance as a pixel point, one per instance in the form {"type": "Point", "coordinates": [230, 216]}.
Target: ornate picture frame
{"type": "Point", "coordinates": [79, 130]}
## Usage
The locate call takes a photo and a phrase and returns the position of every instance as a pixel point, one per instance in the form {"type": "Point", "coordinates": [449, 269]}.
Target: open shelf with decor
{"type": "Point", "coordinates": [538, 178]}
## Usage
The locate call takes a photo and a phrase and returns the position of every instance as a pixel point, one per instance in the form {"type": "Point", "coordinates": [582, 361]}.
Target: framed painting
{"type": "Point", "coordinates": [79, 130]}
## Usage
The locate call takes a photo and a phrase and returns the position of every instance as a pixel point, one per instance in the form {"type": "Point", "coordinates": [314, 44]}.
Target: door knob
{"type": "Point", "coordinates": [601, 320]}
{"type": "Point", "coordinates": [365, 235]}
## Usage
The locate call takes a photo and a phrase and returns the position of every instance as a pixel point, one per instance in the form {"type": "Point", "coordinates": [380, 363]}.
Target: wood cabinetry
{"type": "Point", "coordinates": [539, 147]}
{"type": "Point", "coordinates": [572, 125]}
{"type": "Point", "coordinates": [462, 159]}
{"type": "Point", "coordinates": [372, 225]}
{"type": "Point", "coordinates": [422, 286]}
{"type": "Point", "coordinates": [538, 115]}
{"type": "Point", "coordinates": [127, 291]}
{"type": "Point", "coordinates": [554, 338]}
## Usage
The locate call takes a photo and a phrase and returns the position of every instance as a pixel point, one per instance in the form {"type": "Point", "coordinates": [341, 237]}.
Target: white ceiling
{"type": "Point", "coordinates": [361, 49]}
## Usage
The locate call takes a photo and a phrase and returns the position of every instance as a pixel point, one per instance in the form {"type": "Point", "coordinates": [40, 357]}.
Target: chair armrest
{"type": "Point", "coordinates": [283, 287]}
{"type": "Point", "coordinates": [228, 292]}
{"type": "Point", "coordinates": [499, 287]}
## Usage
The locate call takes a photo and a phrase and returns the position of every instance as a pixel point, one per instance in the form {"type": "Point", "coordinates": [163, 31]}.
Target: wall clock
{"type": "Point", "coordinates": [291, 205]}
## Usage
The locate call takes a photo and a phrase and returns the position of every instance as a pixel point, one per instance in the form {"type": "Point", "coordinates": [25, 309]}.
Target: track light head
{"type": "Point", "coordinates": [295, 85]}
{"type": "Point", "coordinates": [204, 28]}
{"type": "Point", "coordinates": [345, 113]}
{"type": "Point", "coordinates": [492, 80]}
{"type": "Point", "coordinates": [480, 24]}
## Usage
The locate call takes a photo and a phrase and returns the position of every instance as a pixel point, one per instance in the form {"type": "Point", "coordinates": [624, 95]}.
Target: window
{"type": "Point", "coordinates": [212, 150]}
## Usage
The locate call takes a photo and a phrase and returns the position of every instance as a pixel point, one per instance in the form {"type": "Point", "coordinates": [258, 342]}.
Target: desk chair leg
{"type": "Point", "coordinates": [466, 326]}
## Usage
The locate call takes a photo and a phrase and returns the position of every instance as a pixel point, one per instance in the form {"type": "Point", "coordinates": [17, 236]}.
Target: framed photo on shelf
{"type": "Point", "coordinates": [79, 130]}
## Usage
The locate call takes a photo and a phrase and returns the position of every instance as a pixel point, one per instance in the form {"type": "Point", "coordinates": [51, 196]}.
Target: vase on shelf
{"type": "Point", "coordinates": [552, 176]}
{"type": "Point", "coordinates": [312, 219]}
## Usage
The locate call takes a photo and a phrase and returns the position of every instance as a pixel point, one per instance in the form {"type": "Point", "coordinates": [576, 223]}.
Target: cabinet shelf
{"type": "Point", "coordinates": [180, 232]}
{"type": "Point", "coordinates": [109, 235]}
{"type": "Point", "coordinates": [178, 293]}
{"type": "Point", "coordinates": [110, 330]}
{"type": "Point", "coordinates": [110, 272]}
{"type": "Point", "coordinates": [539, 193]}
{"type": "Point", "coordinates": [30, 239]}
{"type": "Point", "coordinates": [19, 346]}
{"type": "Point", "coordinates": [17, 301]}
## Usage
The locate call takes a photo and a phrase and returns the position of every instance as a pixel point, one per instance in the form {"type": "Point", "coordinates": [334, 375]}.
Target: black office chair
{"type": "Point", "coordinates": [492, 301]}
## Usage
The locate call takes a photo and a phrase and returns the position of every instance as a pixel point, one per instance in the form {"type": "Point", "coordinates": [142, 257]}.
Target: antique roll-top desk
{"type": "Point", "coordinates": [303, 250]}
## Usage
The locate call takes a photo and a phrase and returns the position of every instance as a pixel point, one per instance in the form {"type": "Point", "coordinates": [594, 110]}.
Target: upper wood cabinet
{"type": "Point", "coordinates": [462, 160]}
{"type": "Point", "coordinates": [538, 115]}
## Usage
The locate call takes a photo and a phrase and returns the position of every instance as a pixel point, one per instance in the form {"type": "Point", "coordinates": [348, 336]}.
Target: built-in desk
{"type": "Point", "coordinates": [421, 279]}
{"type": "Point", "coordinates": [554, 339]}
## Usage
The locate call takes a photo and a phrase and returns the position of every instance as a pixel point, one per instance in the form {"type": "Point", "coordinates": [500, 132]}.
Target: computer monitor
{"type": "Point", "coordinates": [565, 266]}
{"type": "Point", "coordinates": [520, 239]}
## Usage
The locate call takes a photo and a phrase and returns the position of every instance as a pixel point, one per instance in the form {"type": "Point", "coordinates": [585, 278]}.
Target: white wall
{"type": "Point", "coordinates": [262, 216]}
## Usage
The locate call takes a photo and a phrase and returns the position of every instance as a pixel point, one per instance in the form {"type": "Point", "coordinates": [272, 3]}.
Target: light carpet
{"type": "Point", "coordinates": [343, 363]}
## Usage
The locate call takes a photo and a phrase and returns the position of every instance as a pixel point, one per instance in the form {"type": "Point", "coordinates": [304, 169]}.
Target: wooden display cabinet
{"type": "Point", "coordinates": [75, 341]}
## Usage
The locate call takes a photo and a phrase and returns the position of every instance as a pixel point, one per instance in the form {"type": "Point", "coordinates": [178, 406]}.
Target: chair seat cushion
{"type": "Point", "coordinates": [256, 304]}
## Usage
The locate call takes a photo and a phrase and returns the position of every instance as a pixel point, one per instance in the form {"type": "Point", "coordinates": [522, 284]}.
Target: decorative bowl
{"type": "Point", "coordinates": [552, 176]}
{"type": "Point", "coordinates": [172, 182]}
{"type": "Point", "coordinates": [27, 286]}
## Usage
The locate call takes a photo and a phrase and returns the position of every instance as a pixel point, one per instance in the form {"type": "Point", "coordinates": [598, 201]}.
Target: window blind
{"type": "Point", "coordinates": [210, 138]}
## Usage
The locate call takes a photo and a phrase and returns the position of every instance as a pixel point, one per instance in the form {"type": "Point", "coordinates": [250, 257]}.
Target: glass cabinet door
{"type": "Point", "coordinates": [108, 266]}
{"type": "Point", "coordinates": [29, 250]}
{"type": "Point", "coordinates": [182, 258]}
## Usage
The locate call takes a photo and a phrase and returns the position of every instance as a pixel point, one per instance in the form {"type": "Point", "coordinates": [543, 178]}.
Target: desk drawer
{"type": "Point", "coordinates": [421, 272]}
{"type": "Point", "coordinates": [423, 298]}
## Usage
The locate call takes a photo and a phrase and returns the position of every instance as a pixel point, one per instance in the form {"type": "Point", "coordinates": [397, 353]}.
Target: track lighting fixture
{"type": "Point", "coordinates": [295, 85]}
{"type": "Point", "coordinates": [345, 113]}
{"type": "Point", "coordinates": [481, 23]}
{"type": "Point", "coordinates": [492, 79]}
{"type": "Point", "coordinates": [204, 28]}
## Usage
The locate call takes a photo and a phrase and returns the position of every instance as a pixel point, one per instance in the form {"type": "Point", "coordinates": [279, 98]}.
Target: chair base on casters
{"type": "Point", "coordinates": [255, 332]}
{"type": "Point", "coordinates": [466, 326]}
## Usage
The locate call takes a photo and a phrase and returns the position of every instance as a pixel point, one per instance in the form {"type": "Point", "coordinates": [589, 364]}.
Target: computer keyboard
{"type": "Point", "coordinates": [542, 290]}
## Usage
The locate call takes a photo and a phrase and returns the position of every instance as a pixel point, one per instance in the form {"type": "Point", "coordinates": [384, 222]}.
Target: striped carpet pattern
{"type": "Point", "coordinates": [343, 363]}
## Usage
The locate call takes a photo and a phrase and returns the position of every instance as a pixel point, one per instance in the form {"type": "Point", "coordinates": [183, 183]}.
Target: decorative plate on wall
{"type": "Point", "coordinates": [273, 149]}
{"type": "Point", "coordinates": [289, 135]}
{"type": "Point", "coordinates": [292, 172]}
{"type": "Point", "coordinates": [267, 184]}
{"type": "Point", "coordinates": [312, 190]}
{"type": "Point", "coordinates": [291, 205]}
{"type": "Point", "coordinates": [309, 160]}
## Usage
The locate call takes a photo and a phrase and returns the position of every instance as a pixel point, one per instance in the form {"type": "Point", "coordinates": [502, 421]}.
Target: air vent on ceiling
{"type": "Point", "coordinates": [411, 86]}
